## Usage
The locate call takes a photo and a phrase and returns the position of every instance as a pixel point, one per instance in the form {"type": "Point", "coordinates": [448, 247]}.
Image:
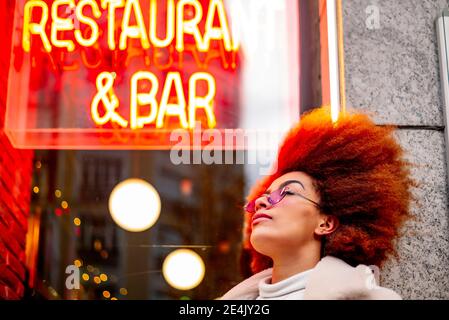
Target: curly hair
{"type": "Point", "coordinates": [361, 177]}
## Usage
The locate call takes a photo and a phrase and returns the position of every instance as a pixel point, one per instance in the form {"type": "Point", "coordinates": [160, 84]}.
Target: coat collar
{"type": "Point", "coordinates": [331, 279]}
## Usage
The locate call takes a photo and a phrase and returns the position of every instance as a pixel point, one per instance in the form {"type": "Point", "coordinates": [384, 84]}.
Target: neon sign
{"type": "Point", "coordinates": [35, 30]}
{"type": "Point", "coordinates": [128, 30]}
{"type": "Point", "coordinates": [124, 74]}
{"type": "Point", "coordinates": [105, 81]}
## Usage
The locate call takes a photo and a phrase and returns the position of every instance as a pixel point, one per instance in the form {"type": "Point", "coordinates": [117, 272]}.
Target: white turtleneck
{"type": "Point", "coordinates": [291, 288]}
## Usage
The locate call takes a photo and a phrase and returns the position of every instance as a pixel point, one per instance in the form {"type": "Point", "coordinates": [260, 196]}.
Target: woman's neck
{"type": "Point", "coordinates": [285, 266]}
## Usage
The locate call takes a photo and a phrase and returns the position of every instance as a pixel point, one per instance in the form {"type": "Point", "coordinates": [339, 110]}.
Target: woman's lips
{"type": "Point", "coordinates": [258, 217]}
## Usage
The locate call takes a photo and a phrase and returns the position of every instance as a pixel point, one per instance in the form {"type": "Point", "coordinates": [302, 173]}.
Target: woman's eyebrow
{"type": "Point", "coordinates": [285, 183]}
{"type": "Point", "coordinates": [292, 181]}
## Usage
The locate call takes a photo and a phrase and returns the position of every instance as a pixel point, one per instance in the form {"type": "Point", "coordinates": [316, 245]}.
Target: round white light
{"type": "Point", "coordinates": [183, 269]}
{"type": "Point", "coordinates": [134, 205]}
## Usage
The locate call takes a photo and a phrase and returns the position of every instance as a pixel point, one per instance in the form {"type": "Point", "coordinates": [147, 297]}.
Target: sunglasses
{"type": "Point", "coordinates": [275, 197]}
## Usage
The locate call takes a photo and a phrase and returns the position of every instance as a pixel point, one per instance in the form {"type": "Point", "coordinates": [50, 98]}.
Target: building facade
{"type": "Point", "coordinates": [392, 72]}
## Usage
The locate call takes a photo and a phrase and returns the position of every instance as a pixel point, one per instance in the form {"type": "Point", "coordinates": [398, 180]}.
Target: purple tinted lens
{"type": "Point", "coordinates": [251, 206]}
{"type": "Point", "coordinates": [275, 197]}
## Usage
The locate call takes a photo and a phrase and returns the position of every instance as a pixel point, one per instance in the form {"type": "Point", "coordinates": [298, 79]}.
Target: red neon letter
{"type": "Point", "coordinates": [34, 28]}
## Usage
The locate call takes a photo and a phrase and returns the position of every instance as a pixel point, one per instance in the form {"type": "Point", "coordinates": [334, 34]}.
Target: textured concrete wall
{"type": "Point", "coordinates": [392, 72]}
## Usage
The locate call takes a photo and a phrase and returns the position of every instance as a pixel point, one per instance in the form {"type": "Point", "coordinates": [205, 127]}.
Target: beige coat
{"type": "Point", "coordinates": [331, 279]}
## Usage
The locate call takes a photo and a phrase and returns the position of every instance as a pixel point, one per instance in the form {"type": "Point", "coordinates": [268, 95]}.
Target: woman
{"type": "Point", "coordinates": [333, 205]}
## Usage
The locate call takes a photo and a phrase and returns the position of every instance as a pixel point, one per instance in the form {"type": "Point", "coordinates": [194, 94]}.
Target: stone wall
{"type": "Point", "coordinates": [392, 73]}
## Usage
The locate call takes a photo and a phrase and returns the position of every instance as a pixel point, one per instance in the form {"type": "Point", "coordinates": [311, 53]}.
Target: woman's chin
{"type": "Point", "coordinates": [262, 241]}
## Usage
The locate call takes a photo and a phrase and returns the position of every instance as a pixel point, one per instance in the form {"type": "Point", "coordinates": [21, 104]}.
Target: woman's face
{"type": "Point", "coordinates": [292, 222]}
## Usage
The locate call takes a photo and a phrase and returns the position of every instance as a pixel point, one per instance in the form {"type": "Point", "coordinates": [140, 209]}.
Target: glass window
{"type": "Point", "coordinates": [91, 115]}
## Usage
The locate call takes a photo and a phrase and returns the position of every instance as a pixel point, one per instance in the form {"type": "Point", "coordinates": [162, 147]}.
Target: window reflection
{"type": "Point", "coordinates": [200, 211]}
{"type": "Point", "coordinates": [201, 204]}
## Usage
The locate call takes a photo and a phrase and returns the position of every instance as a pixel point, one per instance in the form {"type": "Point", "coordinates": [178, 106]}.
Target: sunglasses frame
{"type": "Point", "coordinates": [280, 193]}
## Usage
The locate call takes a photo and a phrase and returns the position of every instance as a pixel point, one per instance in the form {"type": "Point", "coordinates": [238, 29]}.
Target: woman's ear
{"type": "Point", "coordinates": [327, 224]}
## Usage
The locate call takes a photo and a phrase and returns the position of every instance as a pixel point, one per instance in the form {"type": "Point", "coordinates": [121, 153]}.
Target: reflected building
{"type": "Point", "coordinates": [201, 210]}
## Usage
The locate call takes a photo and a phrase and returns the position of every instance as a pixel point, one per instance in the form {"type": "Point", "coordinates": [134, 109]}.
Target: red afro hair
{"type": "Point", "coordinates": [361, 177]}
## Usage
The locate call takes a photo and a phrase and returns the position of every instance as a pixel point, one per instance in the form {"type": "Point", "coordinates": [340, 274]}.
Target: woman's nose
{"type": "Point", "coordinates": [262, 203]}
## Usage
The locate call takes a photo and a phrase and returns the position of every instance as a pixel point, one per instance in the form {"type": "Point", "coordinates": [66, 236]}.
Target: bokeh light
{"type": "Point", "coordinates": [183, 269]}
{"type": "Point", "coordinates": [98, 245]}
{"type": "Point", "coordinates": [134, 205]}
{"type": "Point", "coordinates": [123, 291]}
{"type": "Point", "coordinates": [77, 221]}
